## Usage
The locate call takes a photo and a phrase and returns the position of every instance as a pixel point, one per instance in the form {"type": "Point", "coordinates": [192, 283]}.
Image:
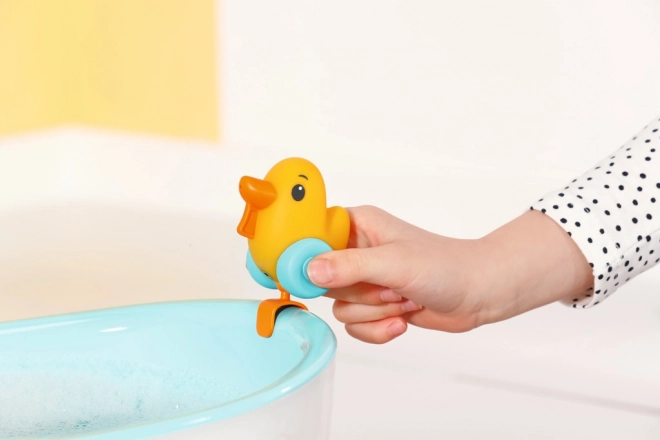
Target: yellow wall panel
{"type": "Point", "coordinates": [140, 65]}
{"type": "Point", "coordinates": [31, 66]}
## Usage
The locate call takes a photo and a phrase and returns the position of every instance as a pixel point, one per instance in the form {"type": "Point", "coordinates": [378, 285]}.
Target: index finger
{"type": "Point", "coordinates": [364, 293]}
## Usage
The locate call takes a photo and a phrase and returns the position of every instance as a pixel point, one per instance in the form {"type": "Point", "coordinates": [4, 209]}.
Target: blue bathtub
{"type": "Point", "coordinates": [179, 370]}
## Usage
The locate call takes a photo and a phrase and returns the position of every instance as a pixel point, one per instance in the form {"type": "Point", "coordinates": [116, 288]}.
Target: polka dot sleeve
{"type": "Point", "coordinates": [612, 212]}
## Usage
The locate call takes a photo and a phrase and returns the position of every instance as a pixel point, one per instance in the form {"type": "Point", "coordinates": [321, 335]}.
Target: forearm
{"type": "Point", "coordinates": [528, 263]}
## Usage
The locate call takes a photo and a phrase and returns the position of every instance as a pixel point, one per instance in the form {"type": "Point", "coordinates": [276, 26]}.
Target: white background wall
{"type": "Point", "coordinates": [551, 85]}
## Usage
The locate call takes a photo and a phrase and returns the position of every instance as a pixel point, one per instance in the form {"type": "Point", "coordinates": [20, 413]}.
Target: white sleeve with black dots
{"type": "Point", "coordinates": [612, 212]}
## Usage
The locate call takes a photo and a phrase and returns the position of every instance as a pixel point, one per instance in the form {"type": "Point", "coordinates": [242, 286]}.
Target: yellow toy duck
{"type": "Point", "coordinates": [287, 223]}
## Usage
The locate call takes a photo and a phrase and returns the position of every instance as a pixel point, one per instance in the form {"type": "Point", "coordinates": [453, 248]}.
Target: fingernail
{"type": "Point", "coordinates": [410, 306]}
{"type": "Point", "coordinates": [389, 295]}
{"type": "Point", "coordinates": [318, 272]}
{"type": "Point", "coordinates": [397, 328]}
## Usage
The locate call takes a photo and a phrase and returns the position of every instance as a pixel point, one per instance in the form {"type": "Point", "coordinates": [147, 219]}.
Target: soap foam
{"type": "Point", "coordinates": [59, 396]}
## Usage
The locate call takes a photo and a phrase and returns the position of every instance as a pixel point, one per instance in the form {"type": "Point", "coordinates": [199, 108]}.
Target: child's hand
{"type": "Point", "coordinates": [395, 273]}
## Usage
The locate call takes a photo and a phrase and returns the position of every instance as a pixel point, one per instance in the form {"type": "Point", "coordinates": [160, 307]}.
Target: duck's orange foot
{"type": "Point", "coordinates": [268, 311]}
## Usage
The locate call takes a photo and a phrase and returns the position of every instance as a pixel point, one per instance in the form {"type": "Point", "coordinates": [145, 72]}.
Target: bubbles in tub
{"type": "Point", "coordinates": [64, 397]}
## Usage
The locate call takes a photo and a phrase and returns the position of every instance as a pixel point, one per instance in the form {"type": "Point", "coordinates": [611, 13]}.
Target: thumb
{"type": "Point", "coordinates": [350, 266]}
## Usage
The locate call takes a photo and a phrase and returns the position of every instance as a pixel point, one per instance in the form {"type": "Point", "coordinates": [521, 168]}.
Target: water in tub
{"type": "Point", "coordinates": [66, 396]}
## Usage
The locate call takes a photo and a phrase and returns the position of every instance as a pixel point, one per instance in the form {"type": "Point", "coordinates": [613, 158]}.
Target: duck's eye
{"type": "Point", "coordinates": [298, 193]}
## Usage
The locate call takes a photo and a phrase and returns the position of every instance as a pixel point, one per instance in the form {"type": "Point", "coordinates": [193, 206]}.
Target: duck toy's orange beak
{"type": "Point", "coordinates": [258, 194]}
